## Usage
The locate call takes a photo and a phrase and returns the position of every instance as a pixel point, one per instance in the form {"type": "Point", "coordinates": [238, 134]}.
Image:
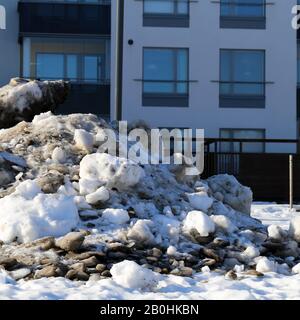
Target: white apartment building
{"type": "Point", "coordinates": [228, 66]}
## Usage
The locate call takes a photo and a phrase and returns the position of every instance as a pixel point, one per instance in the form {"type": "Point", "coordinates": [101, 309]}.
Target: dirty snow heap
{"type": "Point", "coordinates": [69, 210]}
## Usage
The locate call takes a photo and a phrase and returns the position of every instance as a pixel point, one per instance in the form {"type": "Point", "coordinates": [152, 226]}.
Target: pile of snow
{"type": "Point", "coordinates": [126, 211]}
{"type": "Point", "coordinates": [130, 275]}
{"type": "Point", "coordinates": [233, 193]}
{"type": "Point", "coordinates": [100, 169]}
{"type": "Point", "coordinates": [199, 221]}
{"type": "Point", "coordinates": [28, 214]}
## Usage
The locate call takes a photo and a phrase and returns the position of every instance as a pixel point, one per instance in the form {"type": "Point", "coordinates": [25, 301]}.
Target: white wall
{"type": "Point", "coordinates": [204, 39]}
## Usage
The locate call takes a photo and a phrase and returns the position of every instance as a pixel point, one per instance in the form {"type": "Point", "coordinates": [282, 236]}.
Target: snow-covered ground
{"type": "Point", "coordinates": [205, 285]}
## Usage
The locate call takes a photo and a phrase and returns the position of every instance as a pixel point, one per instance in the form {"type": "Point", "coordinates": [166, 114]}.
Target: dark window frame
{"type": "Point", "coordinates": [172, 20]}
{"type": "Point", "coordinates": [242, 22]}
{"type": "Point", "coordinates": [242, 100]}
{"type": "Point", "coordinates": [263, 130]}
{"type": "Point", "coordinates": [165, 99]}
{"type": "Point", "coordinates": [80, 67]}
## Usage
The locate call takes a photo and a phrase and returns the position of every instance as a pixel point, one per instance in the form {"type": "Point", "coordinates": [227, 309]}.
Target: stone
{"type": "Point", "coordinates": [44, 243]}
{"type": "Point", "coordinates": [78, 267]}
{"type": "Point", "coordinates": [71, 242]}
{"type": "Point", "coordinates": [90, 262]}
{"type": "Point", "coordinates": [255, 273]}
{"type": "Point", "coordinates": [231, 275]}
{"type": "Point", "coordinates": [100, 267]}
{"type": "Point", "coordinates": [156, 253]}
{"type": "Point", "coordinates": [210, 253]}
{"type": "Point", "coordinates": [20, 273]}
{"type": "Point", "coordinates": [82, 276]}
{"type": "Point", "coordinates": [85, 255]}
{"type": "Point", "coordinates": [183, 272]}
{"type": "Point", "coordinates": [49, 272]}
{"type": "Point", "coordinates": [106, 274]}
{"type": "Point", "coordinates": [8, 263]}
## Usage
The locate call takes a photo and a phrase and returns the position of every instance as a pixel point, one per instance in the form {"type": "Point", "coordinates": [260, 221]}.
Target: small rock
{"type": "Point", "coordinates": [254, 273]}
{"type": "Point", "coordinates": [100, 267]}
{"type": "Point", "coordinates": [156, 253]}
{"type": "Point", "coordinates": [117, 255]}
{"type": "Point", "coordinates": [106, 274]}
{"type": "Point", "coordinates": [151, 259]}
{"type": "Point", "coordinates": [183, 272]}
{"type": "Point", "coordinates": [210, 253]}
{"type": "Point", "coordinates": [208, 262]}
{"type": "Point", "coordinates": [78, 267]}
{"type": "Point", "coordinates": [20, 273]}
{"type": "Point", "coordinates": [71, 242]}
{"type": "Point", "coordinates": [48, 272]}
{"type": "Point", "coordinates": [82, 276]}
{"type": "Point", "coordinates": [85, 255]}
{"type": "Point", "coordinates": [90, 262]}
{"type": "Point", "coordinates": [231, 275]}
{"type": "Point", "coordinates": [8, 263]}
{"type": "Point", "coordinates": [44, 243]}
{"type": "Point", "coordinates": [71, 274]}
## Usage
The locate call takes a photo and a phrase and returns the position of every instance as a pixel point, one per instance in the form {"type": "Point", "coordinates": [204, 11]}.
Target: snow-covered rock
{"type": "Point", "coordinates": [294, 230]}
{"type": "Point", "coordinates": [251, 252]}
{"type": "Point", "coordinates": [21, 99]}
{"type": "Point", "coordinates": [237, 196]}
{"type": "Point", "coordinates": [59, 155]}
{"type": "Point", "coordinates": [130, 275]}
{"type": "Point", "coordinates": [28, 214]}
{"type": "Point", "coordinates": [224, 224]}
{"type": "Point", "coordinates": [265, 265]}
{"type": "Point", "coordinates": [141, 232]}
{"type": "Point", "coordinates": [115, 216]}
{"type": "Point", "coordinates": [199, 221]}
{"type": "Point", "coordinates": [276, 233]}
{"type": "Point", "coordinates": [100, 195]}
{"type": "Point", "coordinates": [296, 269]}
{"type": "Point", "coordinates": [83, 140]}
{"type": "Point", "coordinates": [103, 169]}
{"type": "Point", "coordinates": [200, 201]}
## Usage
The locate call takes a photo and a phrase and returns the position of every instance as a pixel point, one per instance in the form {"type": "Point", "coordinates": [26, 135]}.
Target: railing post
{"type": "Point", "coordinates": [291, 182]}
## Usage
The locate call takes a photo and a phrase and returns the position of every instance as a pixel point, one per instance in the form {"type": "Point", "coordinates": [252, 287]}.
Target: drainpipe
{"type": "Point", "coordinates": [119, 59]}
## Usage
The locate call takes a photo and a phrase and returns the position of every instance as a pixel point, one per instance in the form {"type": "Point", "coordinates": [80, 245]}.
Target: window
{"type": "Point", "coordinates": [247, 147]}
{"type": "Point", "coordinates": [166, 13]}
{"type": "Point", "coordinates": [243, 14]}
{"type": "Point", "coordinates": [165, 77]}
{"type": "Point", "coordinates": [73, 67]}
{"type": "Point", "coordinates": [242, 78]}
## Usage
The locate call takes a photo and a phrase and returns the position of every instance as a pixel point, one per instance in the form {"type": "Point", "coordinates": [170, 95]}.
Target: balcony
{"type": "Point", "coordinates": [65, 18]}
{"type": "Point", "coordinates": [91, 98]}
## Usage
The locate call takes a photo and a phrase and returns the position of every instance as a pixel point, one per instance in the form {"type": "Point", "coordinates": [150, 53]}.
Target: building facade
{"type": "Point", "coordinates": [229, 67]}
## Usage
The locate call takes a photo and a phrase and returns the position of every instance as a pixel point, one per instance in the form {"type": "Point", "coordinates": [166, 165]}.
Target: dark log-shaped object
{"type": "Point", "coordinates": [22, 99]}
